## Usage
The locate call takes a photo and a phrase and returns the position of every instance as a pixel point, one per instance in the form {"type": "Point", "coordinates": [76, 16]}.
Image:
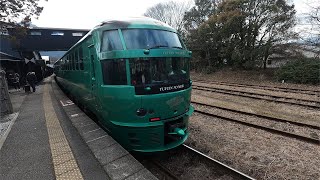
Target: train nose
{"type": "Point", "coordinates": [165, 107]}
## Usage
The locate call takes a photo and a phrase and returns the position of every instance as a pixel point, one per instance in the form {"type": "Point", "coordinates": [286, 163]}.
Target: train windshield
{"type": "Point", "coordinates": [150, 39]}
{"type": "Point", "coordinates": [159, 71]}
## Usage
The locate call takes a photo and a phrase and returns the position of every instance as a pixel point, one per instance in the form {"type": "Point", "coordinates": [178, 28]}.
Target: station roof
{"type": "Point", "coordinates": [8, 57]}
{"type": "Point", "coordinates": [49, 39]}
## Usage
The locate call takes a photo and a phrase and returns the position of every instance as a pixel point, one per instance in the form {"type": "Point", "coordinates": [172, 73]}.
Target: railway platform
{"type": "Point", "coordinates": [49, 137]}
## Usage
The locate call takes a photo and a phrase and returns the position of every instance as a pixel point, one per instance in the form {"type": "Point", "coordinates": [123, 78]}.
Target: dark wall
{"type": "Point", "coordinates": [48, 42]}
{"type": "Point", "coordinates": [6, 47]}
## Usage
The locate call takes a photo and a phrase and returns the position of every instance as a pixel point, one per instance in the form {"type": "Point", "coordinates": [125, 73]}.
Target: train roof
{"type": "Point", "coordinates": [123, 23]}
{"type": "Point", "coordinates": [133, 22]}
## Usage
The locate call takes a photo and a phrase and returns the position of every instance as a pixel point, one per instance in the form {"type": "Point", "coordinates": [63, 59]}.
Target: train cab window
{"type": "Point", "coordinates": [156, 71]}
{"type": "Point", "coordinates": [114, 72]}
{"type": "Point", "coordinates": [150, 39]}
{"type": "Point", "coordinates": [111, 41]}
{"type": "Point", "coordinates": [81, 58]}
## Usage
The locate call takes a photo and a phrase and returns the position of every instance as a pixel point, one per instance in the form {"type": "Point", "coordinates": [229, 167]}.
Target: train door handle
{"type": "Point", "coordinates": [93, 79]}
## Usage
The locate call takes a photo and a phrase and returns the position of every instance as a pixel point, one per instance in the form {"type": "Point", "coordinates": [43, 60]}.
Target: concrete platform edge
{"type": "Point", "coordinates": [118, 163]}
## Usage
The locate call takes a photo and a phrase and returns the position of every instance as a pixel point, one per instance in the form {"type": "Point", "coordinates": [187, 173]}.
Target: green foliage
{"type": "Point", "coordinates": [18, 14]}
{"type": "Point", "coordinates": [305, 71]}
{"type": "Point", "coordinates": [243, 33]}
{"type": "Point", "coordinates": [199, 13]}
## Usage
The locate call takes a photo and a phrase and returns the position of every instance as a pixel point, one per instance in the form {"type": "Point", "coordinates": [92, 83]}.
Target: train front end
{"type": "Point", "coordinates": [145, 97]}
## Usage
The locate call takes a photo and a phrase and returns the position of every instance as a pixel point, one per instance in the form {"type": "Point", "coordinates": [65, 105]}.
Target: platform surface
{"type": "Point", "coordinates": [49, 137]}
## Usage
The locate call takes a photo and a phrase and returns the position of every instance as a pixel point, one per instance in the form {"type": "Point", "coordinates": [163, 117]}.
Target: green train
{"type": "Point", "coordinates": [133, 74]}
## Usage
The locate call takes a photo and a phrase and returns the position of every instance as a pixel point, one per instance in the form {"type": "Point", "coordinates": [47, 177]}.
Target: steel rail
{"type": "Point", "coordinates": [259, 115]}
{"type": "Point", "coordinates": [254, 96]}
{"type": "Point", "coordinates": [259, 94]}
{"type": "Point", "coordinates": [272, 88]}
{"type": "Point", "coordinates": [288, 134]}
{"type": "Point", "coordinates": [238, 173]}
{"type": "Point", "coordinates": [164, 170]}
{"type": "Point", "coordinates": [275, 89]}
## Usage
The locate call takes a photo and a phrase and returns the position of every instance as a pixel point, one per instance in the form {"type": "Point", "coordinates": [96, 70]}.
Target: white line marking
{"type": "Point", "coordinates": [91, 131]}
{"type": "Point", "coordinates": [68, 103]}
{"type": "Point", "coordinates": [74, 115]}
{"type": "Point", "coordinates": [4, 137]}
{"type": "Point", "coordinates": [97, 138]}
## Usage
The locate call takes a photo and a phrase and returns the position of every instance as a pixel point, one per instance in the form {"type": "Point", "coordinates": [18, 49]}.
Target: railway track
{"type": "Point", "coordinates": [271, 88]}
{"type": "Point", "coordinates": [314, 140]}
{"type": "Point", "coordinates": [260, 116]}
{"type": "Point", "coordinates": [160, 171]}
{"type": "Point", "coordinates": [266, 97]}
{"type": "Point", "coordinates": [189, 159]}
{"type": "Point", "coordinates": [236, 173]}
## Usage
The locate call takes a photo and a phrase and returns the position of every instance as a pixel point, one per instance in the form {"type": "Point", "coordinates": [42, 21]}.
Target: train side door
{"type": "Point", "coordinates": [93, 75]}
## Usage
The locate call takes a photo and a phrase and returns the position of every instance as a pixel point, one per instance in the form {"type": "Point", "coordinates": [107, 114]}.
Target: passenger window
{"type": "Point", "coordinates": [81, 58]}
{"type": "Point", "coordinates": [111, 41]}
{"type": "Point", "coordinates": [64, 63]}
{"type": "Point", "coordinates": [68, 62]}
{"type": "Point", "coordinates": [114, 72]}
{"type": "Point", "coordinates": [72, 61]}
{"type": "Point", "coordinates": [76, 59]}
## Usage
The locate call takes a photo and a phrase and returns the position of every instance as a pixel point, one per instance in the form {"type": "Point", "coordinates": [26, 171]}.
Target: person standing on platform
{"type": "Point", "coordinates": [16, 81]}
{"type": "Point", "coordinates": [31, 78]}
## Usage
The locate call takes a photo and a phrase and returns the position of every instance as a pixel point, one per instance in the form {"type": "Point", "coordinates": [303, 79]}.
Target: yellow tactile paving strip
{"type": "Point", "coordinates": [65, 165]}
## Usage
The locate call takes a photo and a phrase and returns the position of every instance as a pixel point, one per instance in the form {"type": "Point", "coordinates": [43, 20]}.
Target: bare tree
{"type": "Point", "coordinates": [171, 13]}
{"type": "Point", "coordinates": [310, 34]}
{"type": "Point", "coordinates": [12, 11]}
{"type": "Point", "coordinates": [200, 12]}
{"type": "Point", "coordinates": [314, 15]}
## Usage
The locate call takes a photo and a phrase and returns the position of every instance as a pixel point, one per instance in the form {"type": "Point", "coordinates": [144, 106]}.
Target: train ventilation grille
{"type": "Point", "coordinates": [154, 138]}
{"type": "Point", "coordinates": [134, 140]}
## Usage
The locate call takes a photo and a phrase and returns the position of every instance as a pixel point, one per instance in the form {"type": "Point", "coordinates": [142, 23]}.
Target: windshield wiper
{"type": "Point", "coordinates": [157, 46]}
{"type": "Point", "coordinates": [161, 46]}
{"type": "Point", "coordinates": [157, 82]}
{"type": "Point", "coordinates": [178, 47]}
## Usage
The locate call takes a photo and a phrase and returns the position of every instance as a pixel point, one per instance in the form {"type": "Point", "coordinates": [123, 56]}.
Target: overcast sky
{"type": "Point", "coordinates": [77, 14]}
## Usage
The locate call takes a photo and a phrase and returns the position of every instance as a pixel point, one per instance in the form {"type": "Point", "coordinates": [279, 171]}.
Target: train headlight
{"type": "Point", "coordinates": [141, 112]}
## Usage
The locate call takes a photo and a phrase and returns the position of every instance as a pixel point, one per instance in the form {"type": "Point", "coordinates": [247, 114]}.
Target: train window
{"type": "Point", "coordinates": [76, 59]}
{"type": "Point", "coordinates": [111, 41]}
{"type": "Point", "coordinates": [63, 63]}
{"type": "Point", "coordinates": [159, 70]}
{"type": "Point", "coordinates": [81, 58]}
{"type": "Point", "coordinates": [68, 62]}
{"type": "Point", "coordinates": [114, 72]}
{"type": "Point", "coordinates": [72, 61]}
{"type": "Point", "coordinates": [150, 38]}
